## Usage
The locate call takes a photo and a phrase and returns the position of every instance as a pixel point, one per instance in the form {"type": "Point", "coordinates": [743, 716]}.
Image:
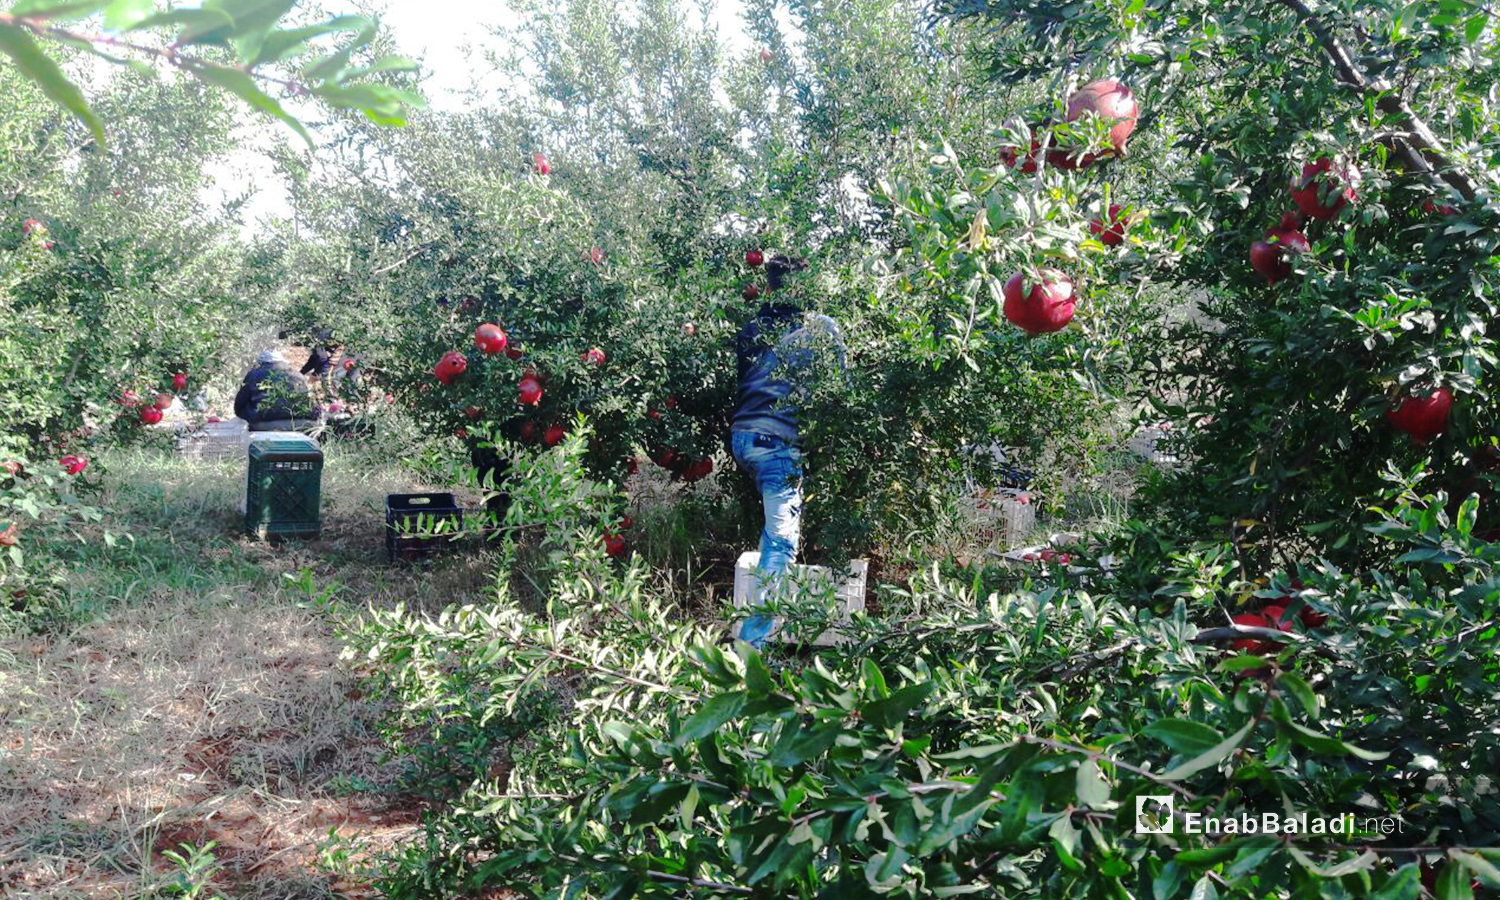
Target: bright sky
{"type": "Point", "coordinates": [437, 33]}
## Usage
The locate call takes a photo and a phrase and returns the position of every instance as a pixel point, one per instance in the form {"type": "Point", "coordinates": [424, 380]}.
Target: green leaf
{"type": "Point", "coordinates": [1363, 861]}
{"type": "Point", "coordinates": [1454, 884]}
{"type": "Point", "coordinates": [1322, 743]}
{"type": "Point", "coordinates": [711, 716]}
{"type": "Point", "coordinates": [238, 82]}
{"type": "Point", "coordinates": [58, 10]}
{"type": "Point", "coordinates": [757, 677]}
{"type": "Point", "coordinates": [888, 712]}
{"type": "Point", "coordinates": [1478, 865]}
{"type": "Point", "coordinates": [279, 45]}
{"type": "Point", "coordinates": [1093, 788]}
{"type": "Point", "coordinates": [1206, 856]}
{"type": "Point", "coordinates": [1184, 735]}
{"type": "Point", "coordinates": [331, 66]}
{"type": "Point", "coordinates": [121, 15]}
{"type": "Point", "coordinates": [1204, 890]}
{"type": "Point", "coordinates": [1212, 757]}
{"type": "Point", "coordinates": [1474, 27]}
{"type": "Point", "coordinates": [40, 67]}
{"type": "Point", "coordinates": [1299, 688]}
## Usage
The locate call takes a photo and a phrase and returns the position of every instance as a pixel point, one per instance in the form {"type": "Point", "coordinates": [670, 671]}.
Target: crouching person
{"type": "Point", "coordinates": [274, 398]}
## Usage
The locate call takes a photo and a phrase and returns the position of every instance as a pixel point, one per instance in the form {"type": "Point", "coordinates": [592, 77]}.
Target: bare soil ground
{"type": "Point", "coordinates": [205, 701]}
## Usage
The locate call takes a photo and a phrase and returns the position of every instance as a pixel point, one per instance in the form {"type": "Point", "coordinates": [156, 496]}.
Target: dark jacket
{"type": "Point", "coordinates": [318, 362]}
{"type": "Point", "coordinates": [272, 392]}
{"type": "Point", "coordinates": [773, 352]}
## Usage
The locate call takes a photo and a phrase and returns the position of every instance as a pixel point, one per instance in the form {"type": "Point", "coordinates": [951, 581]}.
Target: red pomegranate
{"type": "Point", "coordinates": [664, 458]}
{"type": "Point", "coordinates": [1422, 418]}
{"type": "Point", "coordinates": [179, 381]}
{"type": "Point", "coordinates": [554, 435]}
{"type": "Point", "coordinates": [1113, 234]}
{"type": "Point", "coordinates": [530, 391]}
{"type": "Point", "coordinates": [150, 415]}
{"type": "Point", "coordinates": [1047, 307]}
{"type": "Point", "coordinates": [1269, 258]}
{"type": "Point", "coordinates": [1011, 156]}
{"type": "Point", "coordinates": [473, 412]}
{"type": "Point", "coordinates": [490, 338]}
{"type": "Point", "coordinates": [698, 468]}
{"type": "Point", "coordinates": [754, 258]}
{"type": "Point", "coordinates": [614, 545]}
{"type": "Point", "coordinates": [1324, 188]}
{"type": "Point", "coordinates": [1251, 645]}
{"type": "Point", "coordinates": [751, 292]}
{"type": "Point", "coordinates": [1432, 207]}
{"type": "Point", "coordinates": [594, 357]}
{"type": "Point", "coordinates": [1113, 101]}
{"type": "Point", "coordinates": [539, 164]}
{"type": "Point", "coordinates": [163, 401]}
{"type": "Point", "coordinates": [74, 464]}
{"type": "Point", "coordinates": [452, 365]}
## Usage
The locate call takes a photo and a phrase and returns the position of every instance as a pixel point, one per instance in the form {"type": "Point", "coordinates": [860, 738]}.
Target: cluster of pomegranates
{"type": "Point", "coordinates": [751, 292]}
{"type": "Point", "coordinates": [1274, 615]}
{"type": "Point", "coordinates": [149, 412]}
{"type": "Point", "coordinates": [1045, 303]}
{"type": "Point", "coordinates": [1322, 191]}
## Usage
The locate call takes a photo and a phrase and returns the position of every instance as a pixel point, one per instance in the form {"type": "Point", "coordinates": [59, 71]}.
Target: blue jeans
{"type": "Point", "coordinates": [776, 467]}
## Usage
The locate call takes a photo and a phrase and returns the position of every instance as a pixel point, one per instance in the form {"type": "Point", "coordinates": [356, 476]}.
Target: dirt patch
{"type": "Point", "coordinates": [158, 727]}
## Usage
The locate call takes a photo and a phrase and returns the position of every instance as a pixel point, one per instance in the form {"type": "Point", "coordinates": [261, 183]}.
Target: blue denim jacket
{"type": "Point", "coordinates": [773, 350]}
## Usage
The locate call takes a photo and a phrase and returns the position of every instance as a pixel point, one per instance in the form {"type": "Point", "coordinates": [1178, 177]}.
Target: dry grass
{"type": "Point", "coordinates": [198, 701]}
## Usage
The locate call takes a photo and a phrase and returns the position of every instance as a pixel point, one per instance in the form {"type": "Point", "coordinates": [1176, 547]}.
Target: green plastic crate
{"type": "Point", "coordinates": [283, 493]}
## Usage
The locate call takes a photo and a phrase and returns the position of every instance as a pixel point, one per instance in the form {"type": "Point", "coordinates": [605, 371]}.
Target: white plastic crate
{"type": "Point", "coordinates": [216, 440]}
{"type": "Point", "coordinates": [1009, 510]}
{"type": "Point", "coordinates": [849, 590]}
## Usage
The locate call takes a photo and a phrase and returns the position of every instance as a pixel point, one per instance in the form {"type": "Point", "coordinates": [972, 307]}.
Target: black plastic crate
{"type": "Point", "coordinates": [433, 516]}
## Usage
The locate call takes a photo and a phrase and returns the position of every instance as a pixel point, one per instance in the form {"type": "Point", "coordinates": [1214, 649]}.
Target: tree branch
{"type": "Point", "coordinates": [1421, 150]}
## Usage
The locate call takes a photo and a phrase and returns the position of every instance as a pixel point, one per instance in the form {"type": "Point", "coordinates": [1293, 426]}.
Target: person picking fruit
{"type": "Point", "coordinates": [320, 361]}
{"type": "Point", "coordinates": [777, 355]}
